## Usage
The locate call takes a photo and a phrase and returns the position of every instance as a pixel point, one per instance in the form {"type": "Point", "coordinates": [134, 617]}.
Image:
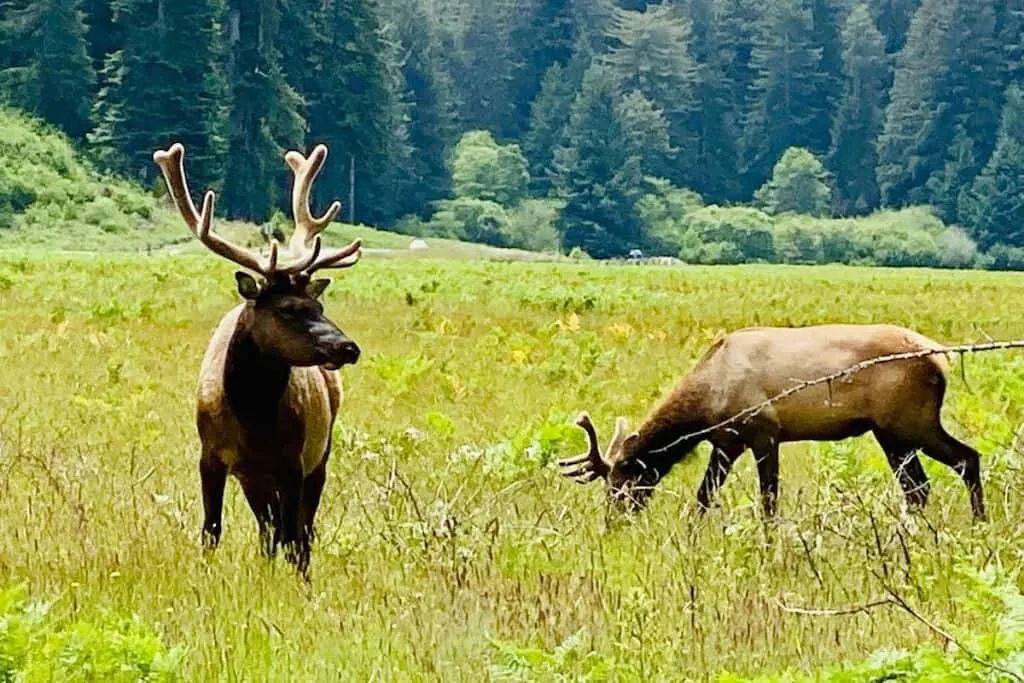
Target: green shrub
{"type": "Point", "coordinates": [663, 213]}
{"type": "Point", "coordinates": [476, 220]}
{"type": "Point", "coordinates": [716, 234]}
{"type": "Point", "coordinates": [531, 225]}
{"type": "Point", "coordinates": [36, 647]}
{"type": "Point", "coordinates": [1006, 258]}
{"type": "Point", "coordinates": [49, 195]}
{"type": "Point", "coordinates": [483, 169]}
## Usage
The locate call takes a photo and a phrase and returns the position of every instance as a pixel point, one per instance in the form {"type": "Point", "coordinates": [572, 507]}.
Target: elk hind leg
{"type": "Point", "coordinates": [906, 466]}
{"type": "Point", "coordinates": [213, 477]}
{"type": "Point", "coordinates": [963, 460]}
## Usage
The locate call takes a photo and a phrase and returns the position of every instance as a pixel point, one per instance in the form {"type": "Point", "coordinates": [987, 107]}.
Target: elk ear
{"type": "Point", "coordinates": [247, 285]}
{"type": "Point", "coordinates": [315, 288]}
{"type": "Point", "coordinates": [629, 444]}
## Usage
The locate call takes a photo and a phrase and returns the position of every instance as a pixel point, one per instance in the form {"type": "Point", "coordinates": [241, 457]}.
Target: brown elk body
{"type": "Point", "coordinates": [269, 390]}
{"type": "Point", "coordinates": [899, 402]}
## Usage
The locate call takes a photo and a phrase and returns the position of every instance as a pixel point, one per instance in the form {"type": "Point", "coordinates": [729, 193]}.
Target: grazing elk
{"type": "Point", "coordinates": [268, 386]}
{"type": "Point", "coordinates": [899, 402]}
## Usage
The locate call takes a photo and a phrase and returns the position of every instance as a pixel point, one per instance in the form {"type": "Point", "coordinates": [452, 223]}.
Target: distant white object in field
{"type": "Point", "coordinates": [418, 245]}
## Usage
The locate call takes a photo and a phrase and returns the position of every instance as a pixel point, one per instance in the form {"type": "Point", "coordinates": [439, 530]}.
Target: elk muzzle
{"type": "Point", "coordinates": [333, 346]}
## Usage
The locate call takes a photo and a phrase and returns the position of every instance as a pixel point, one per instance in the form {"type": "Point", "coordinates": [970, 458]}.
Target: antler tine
{"type": "Point", "coordinates": [306, 225]}
{"type": "Point", "coordinates": [589, 466]}
{"type": "Point", "coordinates": [345, 257]}
{"type": "Point", "coordinates": [172, 165]}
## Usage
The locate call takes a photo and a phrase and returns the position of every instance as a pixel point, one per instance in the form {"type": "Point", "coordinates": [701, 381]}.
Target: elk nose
{"type": "Point", "coordinates": [348, 352]}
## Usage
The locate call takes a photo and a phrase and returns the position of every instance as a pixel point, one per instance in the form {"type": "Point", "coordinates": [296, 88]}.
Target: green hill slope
{"type": "Point", "coordinates": [52, 198]}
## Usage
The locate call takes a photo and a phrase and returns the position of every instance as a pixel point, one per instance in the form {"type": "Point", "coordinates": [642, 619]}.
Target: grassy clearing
{"type": "Point", "coordinates": [450, 549]}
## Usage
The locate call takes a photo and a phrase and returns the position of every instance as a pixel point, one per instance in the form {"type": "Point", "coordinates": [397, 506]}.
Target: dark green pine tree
{"type": "Point", "coordinates": [858, 119]}
{"type": "Point", "coordinates": [264, 122]}
{"type": "Point", "coordinates": [970, 101]}
{"type": "Point", "coordinates": [992, 208]}
{"type": "Point", "coordinates": [1010, 20]}
{"type": "Point", "coordinates": [428, 99]}
{"type": "Point", "coordinates": [166, 85]}
{"type": "Point", "coordinates": [481, 67]}
{"type": "Point", "coordinates": [789, 92]}
{"type": "Point", "coordinates": [543, 35]}
{"type": "Point", "coordinates": [829, 17]}
{"type": "Point", "coordinates": [106, 36]}
{"type": "Point", "coordinates": [596, 174]}
{"type": "Point", "coordinates": [47, 69]}
{"type": "Point", "coordinates": [351, 110]}
{"type": "Point", "coordinates": [549, 115]}
{"type": "Point", "coordinates": [19, 20]}
{"type": "Point", "coordinates": [298, 41]}
{"type": "Point", "coordinates": [652, 55]}
{"type": "Point", "coordinates": [724, 38]}
{"type": "Point", "coordinates": [893, 19]}
{"type": "Point", "coordinates": [913, 142]}
{"type": "Point", "coordinates": [647, 132]}
{"type": "Point", "coordinates": [63, 68]}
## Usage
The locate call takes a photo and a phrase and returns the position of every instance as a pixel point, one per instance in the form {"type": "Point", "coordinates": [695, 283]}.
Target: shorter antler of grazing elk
{"type": "Point", "coordinates": [590, 466]}
{"type": "Point", "coordinates": [305, 245]}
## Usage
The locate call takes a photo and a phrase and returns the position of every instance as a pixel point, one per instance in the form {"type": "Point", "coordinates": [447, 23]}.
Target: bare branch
{"type": "Point", "coordinates": [835, 611]}
{"type": "Point", "coordinates": [894, 599]}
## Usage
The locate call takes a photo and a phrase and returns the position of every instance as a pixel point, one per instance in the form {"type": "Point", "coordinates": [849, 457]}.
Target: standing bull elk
{"type": "Point", "coordinates": [899, 402]}
{"type": "Point", "coordinates": [268, 387]}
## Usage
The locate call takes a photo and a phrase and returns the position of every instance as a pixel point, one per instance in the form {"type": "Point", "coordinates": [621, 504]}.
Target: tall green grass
{"type": "Point", "coordinates": [450, 549]}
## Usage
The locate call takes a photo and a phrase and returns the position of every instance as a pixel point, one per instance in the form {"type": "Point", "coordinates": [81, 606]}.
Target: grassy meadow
{"type": "Point", "coordinates": [450, 548]}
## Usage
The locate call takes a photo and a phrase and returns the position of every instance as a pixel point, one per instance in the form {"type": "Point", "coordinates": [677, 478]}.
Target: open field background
{"type": "Point", "coordinates": [450, 548]}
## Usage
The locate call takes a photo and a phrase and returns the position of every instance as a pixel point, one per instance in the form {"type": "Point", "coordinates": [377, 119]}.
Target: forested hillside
{"type": "Point", "coordinates": [544, 122]}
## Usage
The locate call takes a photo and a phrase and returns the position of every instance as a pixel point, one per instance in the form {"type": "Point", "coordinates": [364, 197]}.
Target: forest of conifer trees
{"type": "Point", "coordinates": [594, 106]}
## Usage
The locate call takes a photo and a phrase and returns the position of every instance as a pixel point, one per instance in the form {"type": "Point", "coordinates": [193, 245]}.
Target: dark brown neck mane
{"type": "Point", "coordinates": [657, 445]}
{"type": "Point", "coordinates": [254, 381]}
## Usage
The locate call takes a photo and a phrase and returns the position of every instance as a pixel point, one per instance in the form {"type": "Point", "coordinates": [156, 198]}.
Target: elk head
{"type": "Point", "coordinates": [629, 480]}
{"type": "Point", "coordinates": [283, 309]}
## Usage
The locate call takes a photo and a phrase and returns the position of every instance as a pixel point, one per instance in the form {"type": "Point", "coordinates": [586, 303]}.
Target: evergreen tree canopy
{"type": "Point", "coordinates": [789, 94]}
{"type": "Point", "coordinates": [49, 71]}
{"type": "Point", "coordinates": [166, 85]}
{"type": "Point", "coordinates": [596, 174]}
{"type": "Point", "coordinates": [994, 205]}
{"type": "Point", "coordinates": [652, 56]}
{"type": "Point", "coordinates": [858, 119]}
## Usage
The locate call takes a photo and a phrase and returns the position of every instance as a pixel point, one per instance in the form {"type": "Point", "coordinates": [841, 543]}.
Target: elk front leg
{"type": "Point", "coordinates": [292, 527]}
{"type": "Point", "coordinates": [767, 456]}
{"type": "Point", "coordinates": [260, 496]}
{"type": "Point", "coordinates": [213, 476]}
{"type": "Point", "coordinates": [313, 488]}
{"type": "Point", "coordinates": [719, 466]}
